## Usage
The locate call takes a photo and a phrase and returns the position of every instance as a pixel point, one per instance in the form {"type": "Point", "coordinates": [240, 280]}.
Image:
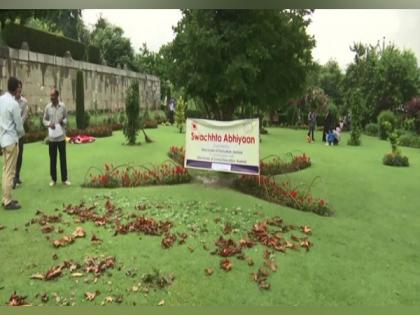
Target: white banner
{"type": "Point", "coordinates": [227, 146]}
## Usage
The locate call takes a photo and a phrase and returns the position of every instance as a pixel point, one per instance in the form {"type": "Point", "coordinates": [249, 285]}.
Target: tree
{"type": "Point", "coordinates": [180, 113]}
{"type": "Point", "coordinates": [231, 58]}
{"type": "Point", "coordinates": [387, 78]}
{"type": "Point", "coordinates": [80, 101]}
{"type": "Point", "coordinates": [157, 64]}
{"type": "Point", "coordinates": [330, 80]}
{"type": "Point", "coordinates": [115, 48]}
{"type": "Point", "coordinates": [356, 104]}
{"type": "Point", "coordinates": [132, 109]}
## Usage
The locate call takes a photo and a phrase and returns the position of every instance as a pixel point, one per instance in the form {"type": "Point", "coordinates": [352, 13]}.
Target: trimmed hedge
{"type": "Point", "coordinates": [48, 43]}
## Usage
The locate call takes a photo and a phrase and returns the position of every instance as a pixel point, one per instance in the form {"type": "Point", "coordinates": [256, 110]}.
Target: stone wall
{"type": "Point", "coordinates": [105, 87]}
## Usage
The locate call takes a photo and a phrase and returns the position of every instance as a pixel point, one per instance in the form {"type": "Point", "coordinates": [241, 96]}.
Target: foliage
{"type": "Point", "coordinates": [132, 109]}
{"type": "Point", "coordinates": [220, 57]}
{"type": "Point", "coordinates": [387, 123]}
{"type": "Point", "coordinates": [330, 81]}
{"type": "Point", "coordinates": [180, 113]}
{"type": "Point", "coordinates": [316, 100]}
{"type": "Point", "coordinates": [372, 129]}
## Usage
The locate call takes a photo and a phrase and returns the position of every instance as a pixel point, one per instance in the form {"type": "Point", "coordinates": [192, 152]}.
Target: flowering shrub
{"type": "Point", "coordinates": [395, 159]}
{"type": "Point", "coordinates": [265, 188]}
{"type": "Point", "coordinates": [277, 166]}
{"type": "Point", "coordinates": [125, 176]}
{"type": "Point", "coordinates": [177, 154]}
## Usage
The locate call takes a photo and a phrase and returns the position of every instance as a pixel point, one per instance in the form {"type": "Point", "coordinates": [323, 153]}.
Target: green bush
{"type": "Point", "coordinates": [372, 129]}
{"type": "Point", "coordinates": [132, 109]}
{"type": "Point", "coordinates": [409, 140]}
{"type": "Point", "coordinates": [385, 129]}
{"type": "Point", "coordinates": [47, 43]}
{"type": "Point", "coordinates": [395, 159]}
{"type": "Point", "coordinates": [80, 101]}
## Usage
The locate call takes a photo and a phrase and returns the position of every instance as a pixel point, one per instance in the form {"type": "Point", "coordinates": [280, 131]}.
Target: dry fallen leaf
{"type": "Point", "coordinates": [79, 232]}
{"type": "Point", "coordinates": [161, 303]}
{"type": "Point", "coordinates": [95, 239]}
{"type": "Point", "coordinates": [135, 288]}
{"type": "Point", "coordinates": [209, 271]}
{"type": "Point", "coordinates": [90, 296]}
{"type": "Point", "coordinates": [37, 276]}
{"type": "Point", "coordinates": [306, 229]}
{"type": "Point", "coordinates": [2, 227]}
{"type": "Point", "coordinates": [53, 272]}
{"type": "Point", "coordinates": [17, 300]}
{"type": "Point", "coordinates": [250, 261]}
{"type": "Point", "coordinates": [226, 264]}
{"type": "Point", "coordinates": [109, 299]}
{"type": "Point", "coordinates": [271, 264]}
{"type": "Point", "coordinates": [77, 274]}
{"type": "Point", "coordinates": [65, 240]}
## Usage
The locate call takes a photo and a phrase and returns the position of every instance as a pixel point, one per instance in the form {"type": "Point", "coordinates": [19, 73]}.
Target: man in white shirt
{"type": "Point", "coordinates": [11, 129]}
{"type": "Point", "coordinates": [23, 105]}
{"type": "Point", "coordinates": [55, 118]}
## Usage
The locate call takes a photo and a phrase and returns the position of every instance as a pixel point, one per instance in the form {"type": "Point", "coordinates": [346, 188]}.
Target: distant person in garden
{"type": "Point", "coordinates": [337, 135]}
{"type": "Point", "coordinates": [23, 105]}
{"type": "Point", "coordinates": [171, 106]}
{"type": "Point", "coordinates": [311, 126]}
{"type": "Point", "coordinates": [11, 129]}
{"type": "Point", "coordinates": [327, 125]}
{"type": "Point", "coordinates": [55, 118]}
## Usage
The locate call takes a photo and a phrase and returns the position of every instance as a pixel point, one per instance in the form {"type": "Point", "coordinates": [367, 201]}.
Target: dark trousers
{"type": "Point", "coordinates": [171, 117]}
{"type": "Point", "coordinates": [311, 132]}
{"type": "Point", "coordinates": [19, 160]}
{"type": "Point", "coordinates": [61, 147]}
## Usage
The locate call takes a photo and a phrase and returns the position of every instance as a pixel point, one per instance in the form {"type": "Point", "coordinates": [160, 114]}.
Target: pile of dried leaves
{"type": "Point", "coordinates": [17, 300]}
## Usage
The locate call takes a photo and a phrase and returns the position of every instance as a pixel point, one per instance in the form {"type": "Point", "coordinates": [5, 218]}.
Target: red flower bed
{"type": "Point", "coordinates": [125, 176]}
{"type": "Point", "coordinates": [177, 154]}
{"type": "Point", "coordinates": [277, 166]}
{"type": "Point", "coordinates": [265, 188]}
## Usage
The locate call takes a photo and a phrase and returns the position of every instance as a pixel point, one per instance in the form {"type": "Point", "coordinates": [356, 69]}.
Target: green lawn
{"type": "Point", "coordinates": [367, 254]}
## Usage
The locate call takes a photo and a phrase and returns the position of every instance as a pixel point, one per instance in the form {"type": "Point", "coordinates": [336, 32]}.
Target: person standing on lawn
{"type": "Point", "coordinates": [55, 118]}
{"type": "Point", "coordinates": [23, 105]}
{"type": "Point", "coordinates": [311, 126]}
{"type": "Point", "coordinates": [11, 129]}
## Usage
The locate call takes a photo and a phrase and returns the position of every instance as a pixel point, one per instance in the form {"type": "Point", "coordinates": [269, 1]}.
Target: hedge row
{"type": "Point", "coordinates": [47, 43]}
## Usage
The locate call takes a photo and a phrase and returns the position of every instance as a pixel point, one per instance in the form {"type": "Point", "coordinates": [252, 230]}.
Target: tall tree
{"type": "Point", "coordinates": [228, 58]}
{"type": "Point", "coordinates": [115, 48]}
{"type": "Point", "coordinates": [330, 80]}
{"type": "Point", "coordinates": [387, 78]}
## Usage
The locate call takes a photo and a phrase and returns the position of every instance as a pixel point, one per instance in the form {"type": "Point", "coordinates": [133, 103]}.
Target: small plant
{"type": "Point", "coordinates": [180, 113]}
{"type": "Point", "coordinates": [357, 104]}
{"type": "Point", "coordinates": [132, 108]}
{"type": "Point", "coordinates": [395, 158]}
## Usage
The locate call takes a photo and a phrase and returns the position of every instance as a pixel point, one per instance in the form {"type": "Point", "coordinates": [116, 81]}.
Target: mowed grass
{"type": "Point", "coordinates": [367, 254]}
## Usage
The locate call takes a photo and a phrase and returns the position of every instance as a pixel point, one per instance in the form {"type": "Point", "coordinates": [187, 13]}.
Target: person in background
{"type": "Point", "coordinates": [311, 126]}
{"type": "Point", "coordinates": [171, 106]}
{"type": "Point", "coordinates": [337, 135]}
{"type": "Point", "coordinates": [23, 105]}
{"type": "Point", "coordinates": [327, 125]}
{"type": "Point", "coordinates": [55, 118]}
{"type": "Point", "coordinates": [11, 129]}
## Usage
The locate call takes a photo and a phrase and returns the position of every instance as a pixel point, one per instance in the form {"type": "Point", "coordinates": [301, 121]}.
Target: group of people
{"type": "Point", "coordinates": [13, 113]}
{"type": "Point", "coordinates": [331, 135]}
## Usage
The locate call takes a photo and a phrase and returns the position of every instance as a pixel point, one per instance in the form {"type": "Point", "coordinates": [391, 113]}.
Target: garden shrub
{"type": "Point", "coordinates": [132, 109]}
{"type": "Point", "coordinates": [372, 129]}
{"type": "Point", "coordinates": [386, 129]}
